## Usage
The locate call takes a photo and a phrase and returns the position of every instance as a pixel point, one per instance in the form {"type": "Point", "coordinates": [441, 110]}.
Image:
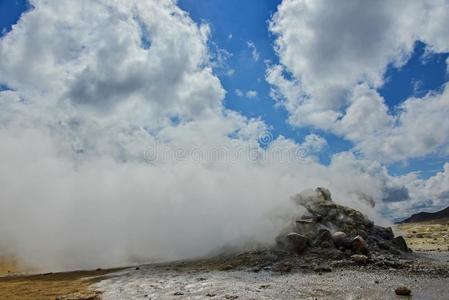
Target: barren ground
{"type": "Point", "coordinates": [427, 236]}
{"type": "Point", "coordinates": [209, 280]}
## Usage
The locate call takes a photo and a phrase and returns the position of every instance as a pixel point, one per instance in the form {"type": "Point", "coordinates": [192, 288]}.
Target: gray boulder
{"type": "Point", "coordinates": [296, 242]}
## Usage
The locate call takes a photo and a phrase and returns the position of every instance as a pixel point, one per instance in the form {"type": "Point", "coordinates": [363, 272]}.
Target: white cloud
{"type": "Point", "coordinates": [251, 94]}
{"type": "Point", "coordinates": [102, 69]}
{"type": "Point", "coordinates": [337, 55]}
{"type": "Point", "coordinates": [314, 143]}
{"type": "Point", "coordinates": [254, 53]}
{"type": "Point", "coordinates": [248, 94]}
{"type": "Point", "coordinates": [430, 194]}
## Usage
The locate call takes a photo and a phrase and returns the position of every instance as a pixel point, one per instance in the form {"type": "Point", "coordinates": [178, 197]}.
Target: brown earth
{"type": "Point", "coordinates": [63, 286]}
{"type": "Point", "coordinates": [427, 236]}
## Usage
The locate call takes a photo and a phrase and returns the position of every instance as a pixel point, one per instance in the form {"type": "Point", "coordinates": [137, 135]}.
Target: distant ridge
{"type": "Point", "coordinates": [426, 216]}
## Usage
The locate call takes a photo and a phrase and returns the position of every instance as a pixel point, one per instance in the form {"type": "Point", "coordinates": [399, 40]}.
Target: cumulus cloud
{"type": "Point", "coordinates": [313, 143]}
{"type": "Point", "coordinates": [54, 53]}
{"type": "Point", "coordinates": [430, 194]}
{"type": "Point", "coordinates": [337, 55]}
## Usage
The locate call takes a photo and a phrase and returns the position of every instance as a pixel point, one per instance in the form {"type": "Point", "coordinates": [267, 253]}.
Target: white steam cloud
{"type": "Point", "coordinates": [57, 214]}
{"type": "Point", "coordinates": [100, 94]}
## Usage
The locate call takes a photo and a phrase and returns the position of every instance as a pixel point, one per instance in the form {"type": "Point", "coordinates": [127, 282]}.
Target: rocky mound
{"type": "Point", "coordinates": [327, 236]}
{"type": "Point", "coordinates": [338, 232]}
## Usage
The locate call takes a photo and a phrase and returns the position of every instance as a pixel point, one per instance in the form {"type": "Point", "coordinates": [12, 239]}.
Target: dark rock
{"type": "Point", "coordinates": [324, 239]}
{"type": "Point", "coordinates": [395, 251]}
{"type": "Point", "coordinates": [306, 227]}
{"type": "Point", "coordinates": [339, 237]}
{"type": "Point", "coordinates": [359, 245]}
{"type": "Point", "coordinates": [403, 291]}
{"type": "Point", "coordinates": [226, 268]}
{"type": "Point", "coordinates": [383, 233]}
{"type": "Point", "coordinates": [296, 242]}
{"type": "Point", "coordinates": [383, 245]}
{"type": "Point", "coordinates": [363, 234]}
{"type": "Point", "coordinates": [400, 243]}
{"type": "Point", "coordinates": [332, 253]}
{"type": "Point", "coordinates": [359, 259]}
{"type": "Point", "coordinates": [354, 233]}
{"type": "Point", "coordinates": [341, 263]}
{"type": "Point", "coordinates": [322, 269]}
{"type": "Point", "coordinates": [285, 267]}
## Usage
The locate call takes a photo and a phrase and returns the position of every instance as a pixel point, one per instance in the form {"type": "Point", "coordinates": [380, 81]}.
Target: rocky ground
{"type": "Point", "coordinates": [329, 252]}
{"type": "Point", "coordinates": [358, 282]}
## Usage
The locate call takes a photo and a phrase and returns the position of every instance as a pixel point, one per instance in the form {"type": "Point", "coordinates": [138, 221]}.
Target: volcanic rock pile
{"type": "Point", "coordinates": [338, 232]}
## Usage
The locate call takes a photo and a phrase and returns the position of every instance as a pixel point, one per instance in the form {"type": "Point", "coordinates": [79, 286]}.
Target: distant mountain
{"type": "Point", "coordinates": [426, 216]}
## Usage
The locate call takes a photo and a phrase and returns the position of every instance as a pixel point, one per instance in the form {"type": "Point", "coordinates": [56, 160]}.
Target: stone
{"type": "Point", "coordinates": [363, 234]}
{"type": "Point", "coordinates": [306, 227]}
{"type": "Point", "coordinates": [322, 269]}
{"type": "Point", "coordinates": [324, 239]}
{"type": "Point", "coordinates": [226, 268]}
{"type": "Point", "coordinates": [359, 259]}
{"type": "Point", "coordinates": [325, 193]}
{"type": "Point", "coordinates": [383, 233]}
{"type": "Point", "coordinates": [339, 237]}
{"type": "Point", "coordinates": [403, 291]}
{"type": "Point", "coordinates": [353, 232]}
{"type": "Point", "coordinates": [341, 263]}
{"type": "Point", "coordinates": [383, 245]}
{"type": "Point", "coordinates": [359, 245]}
{"type": "Point", "coordinates": [285, 267]}
{"type": "Point", "coordinates": [395, 251]}
{"type": "Point", "coordinates": [296, 242]}
{"type": "Point", "coordinates": [400, 243]}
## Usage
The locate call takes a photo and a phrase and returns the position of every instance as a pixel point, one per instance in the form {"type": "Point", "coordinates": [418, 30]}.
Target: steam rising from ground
{"type": "Point", "coordinates": [59, 214]}
{"type": "Point", "coordinates": [116, 147]}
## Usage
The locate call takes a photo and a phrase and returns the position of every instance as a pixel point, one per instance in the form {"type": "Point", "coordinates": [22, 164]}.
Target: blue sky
{"type": "Point", "coordinates": [422, 73]}
{"type": "Point", "coordinates": [237, 24]}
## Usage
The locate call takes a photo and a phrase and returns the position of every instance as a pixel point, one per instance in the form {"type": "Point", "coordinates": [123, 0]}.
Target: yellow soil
{"type": "Point", "coordinates": [61, 286]}
{"type": "Point", "coordinates": [8, 266]}
{"type": "Point", "coordinates": [427, 236]}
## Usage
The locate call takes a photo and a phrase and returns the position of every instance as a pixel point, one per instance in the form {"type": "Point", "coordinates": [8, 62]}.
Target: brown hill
{"type": "Point", "coordinates": [428, 216]}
